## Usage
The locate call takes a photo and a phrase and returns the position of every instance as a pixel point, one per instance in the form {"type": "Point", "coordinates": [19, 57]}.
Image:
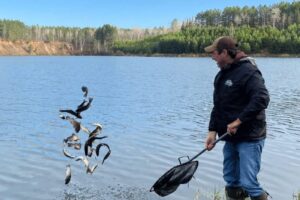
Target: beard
{"type": "Point", "coordinates": [223, 66]}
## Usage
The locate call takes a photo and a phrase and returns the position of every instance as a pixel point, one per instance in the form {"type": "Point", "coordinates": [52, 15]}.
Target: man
{"type": "Point", "coordinates": [240, 99]}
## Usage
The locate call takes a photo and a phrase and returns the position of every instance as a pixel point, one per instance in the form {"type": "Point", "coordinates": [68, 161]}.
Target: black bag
{"type": "Point", "coordinates": [169, 182]}
{"type": "Point", "coordinates": [180, 174]}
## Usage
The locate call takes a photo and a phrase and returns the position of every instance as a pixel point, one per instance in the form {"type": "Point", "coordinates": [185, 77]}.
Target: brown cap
{"type": "Point", "coordinates": [224, 42]}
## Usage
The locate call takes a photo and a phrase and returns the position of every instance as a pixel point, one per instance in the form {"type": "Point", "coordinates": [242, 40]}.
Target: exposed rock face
{"type": "Point", "coordinates": [20, 48]}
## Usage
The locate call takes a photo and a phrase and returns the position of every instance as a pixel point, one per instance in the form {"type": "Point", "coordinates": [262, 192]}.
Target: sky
{"type": "Point", "coordinates": [119, 13]}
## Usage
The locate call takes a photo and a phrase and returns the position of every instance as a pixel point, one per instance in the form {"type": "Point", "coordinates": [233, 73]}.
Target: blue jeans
{"type": "Point", "coordinates": [241, 165]}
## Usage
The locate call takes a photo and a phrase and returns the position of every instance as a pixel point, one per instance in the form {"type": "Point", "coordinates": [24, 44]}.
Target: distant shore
{"type": "Point", "coordinates": [207, 55]}
{"type": "Point", "coordinates": [40, 48]}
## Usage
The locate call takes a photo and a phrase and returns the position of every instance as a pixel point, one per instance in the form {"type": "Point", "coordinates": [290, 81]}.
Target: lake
{"type": "Point", "coordinates": [153, 111]}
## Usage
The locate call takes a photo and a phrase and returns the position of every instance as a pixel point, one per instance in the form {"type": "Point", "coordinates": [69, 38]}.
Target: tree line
{"type": "Point", "coordinates": [193, 39]}
{"type": "Point", "coordinates": [262, 29]}
{"type": "Point", "coordinates": [84, 40]}
{"type": "Point", "coordinates": [280, 15]}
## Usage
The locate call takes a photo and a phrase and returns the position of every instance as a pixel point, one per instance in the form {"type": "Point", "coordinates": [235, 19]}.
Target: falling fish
{"type": "Point", "coordinates": [85, 91]}
{"type": "Point", "coordinates": [82, 107]}
{"type": "Point", "coordinates": [84, 129]}
{"type": "Point", "coordinates": [72, 138]}
{"type": "Point", "coordinates": [68, 174]}
{"type": "Point", "coordinates": [90, 170]}
{"type": "Point", "coordinates": [76, 114]}
{"type": "Point", "coordinates": [76, 146]}
{"type": "Point", "coordinates": [89, 143]}
{"type": "Point", "coordinates": [67, 154]}
{"type": "Point", "coordinates": [90, 151]}
{"type": "Point", "coordinates": [98, 149]}
{"type": "Point", "coordinates": [83, 159]}
{"type": "Point", "coordinates": [75, 124]}
{"type": "Point", "coordinates": [96, 131]}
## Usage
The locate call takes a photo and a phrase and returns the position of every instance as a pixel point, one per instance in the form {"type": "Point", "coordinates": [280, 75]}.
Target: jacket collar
{"type": "Point", "coordinates": [240, 57]}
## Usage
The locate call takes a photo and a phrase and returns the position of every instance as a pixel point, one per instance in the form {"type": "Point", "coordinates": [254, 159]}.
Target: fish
{"type": "Point", "coordinates": [67, 154]}
{"type": "Point", "coordinates": [90, 151]}
{"type": "Point", "coordinates": [72, 138]}
{"type": "Point", "coordinates": [76, 146]}
{"type": "Point", "coordinates": [85, 91]}
{"type": "Point", "coordinates": [75, 124]}
{"type": "Point", "coordinates": [98, 125]}
{"type": "Point", "coordinates": [83, 159]}
{"type": "Point", "coordinates": [68, 174]}
{"type": "Point", "coordinates": [76, 114]}
{"type": "Point", "coordinates": [82, 107]}
{"type": "Point", "coordinates": [96, 131]}
{"type": "Point", "coordinates": [98, 149]}
{"type": "Point", "coordinates": [90, 170]}
{"type": "Point", "coordinates": [84, 129]}
{"type": "Point", "coordinates": [89, 143]}
{"type": "Point", "coordinates": [82, 104]}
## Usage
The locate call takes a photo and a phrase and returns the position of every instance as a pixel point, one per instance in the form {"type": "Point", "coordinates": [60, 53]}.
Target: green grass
{"type": "Point", "coordinates": [215, 195]}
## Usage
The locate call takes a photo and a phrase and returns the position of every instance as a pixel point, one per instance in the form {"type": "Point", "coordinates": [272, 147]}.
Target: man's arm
{"type": "Point", "coordinates": [258, 97]}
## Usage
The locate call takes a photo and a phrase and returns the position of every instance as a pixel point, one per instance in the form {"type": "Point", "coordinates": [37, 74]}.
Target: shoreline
{"type": "Point", "coordinates": [256, 55]}
{"type": "Point", "coordinates": [40, 48]}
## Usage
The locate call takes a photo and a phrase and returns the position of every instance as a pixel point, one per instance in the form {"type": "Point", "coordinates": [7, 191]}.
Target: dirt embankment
{"type": "Point", "coordinates": [22, 48]}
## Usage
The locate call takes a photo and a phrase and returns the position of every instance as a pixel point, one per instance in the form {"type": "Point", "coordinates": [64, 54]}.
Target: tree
{"type": "Point", "coordinates": [106, 34]}
{"type": "Point", "coordinates": [2, 30]}
{"type": "Point", "coordinates": [175, 25]}
{"type": "Point", "coordinates": [263, 15]}
{"type": "Point", "coordinates": [275, 16]}
{"type": "Point", "coordinates": [12, 30]}
{"type": "Point", "coordinates": [229, 14]}
{"type": "Point", "coordinates": [209, 18]}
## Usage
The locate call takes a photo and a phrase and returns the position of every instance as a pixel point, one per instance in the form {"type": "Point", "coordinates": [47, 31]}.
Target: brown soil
{"type": "Point", "coordinates": [21, 48]}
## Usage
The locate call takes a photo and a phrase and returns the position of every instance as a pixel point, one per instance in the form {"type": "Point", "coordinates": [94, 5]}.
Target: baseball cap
{"type": "Point", "coordinates": [224, 42]}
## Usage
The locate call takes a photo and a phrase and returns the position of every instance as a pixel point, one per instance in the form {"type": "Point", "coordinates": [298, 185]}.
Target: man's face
{"type": "Point", "coordinates": [215, 55]}
{"type": "Point", "coordinates": [220, 58]}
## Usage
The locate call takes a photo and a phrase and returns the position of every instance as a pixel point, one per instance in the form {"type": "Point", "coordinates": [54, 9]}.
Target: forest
{"type": "Point", "coordinates": [264, 29]}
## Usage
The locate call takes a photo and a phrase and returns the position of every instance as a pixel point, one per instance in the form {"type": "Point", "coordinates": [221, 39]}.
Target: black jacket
{"type": "Point", "coordinates": [240, 92]}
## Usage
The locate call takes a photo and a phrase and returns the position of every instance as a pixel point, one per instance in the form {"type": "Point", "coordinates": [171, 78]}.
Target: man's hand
{"type": "Point", "coordinates": [211, 137]}
{"type": "Point", "coordinates": [233, 126]}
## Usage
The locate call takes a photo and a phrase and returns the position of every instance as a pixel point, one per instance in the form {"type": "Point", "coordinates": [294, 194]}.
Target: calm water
{"type": "Point", "coordinates": [153, 110]}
